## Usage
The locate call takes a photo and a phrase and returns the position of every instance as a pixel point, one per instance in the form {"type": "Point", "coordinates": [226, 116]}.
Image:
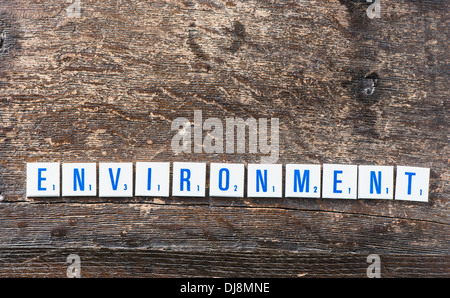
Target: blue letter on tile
{"type": "Point", "coordinates": [300, 183]}
{"type": "Point", "coordinates": [375, 182]}
{"type": "Point", "coordinates": [79, 179]}
{"type": "Point", "coordinates": [114, 183]}
{"type": "Point", "coordinates": [409, 174]}
{"type": "Point", "coordinates": [259, 178]}
{"type": "Point", "coordinates": [227, 179]}
{"type": "Point", "coordinates": [335, 182]}
{"type": "Point", "coordinates": [149, 179]}
{"type": "Point", "coordinates": [40, 178]}
{"type": "Point", "coordinates": [185, 178]}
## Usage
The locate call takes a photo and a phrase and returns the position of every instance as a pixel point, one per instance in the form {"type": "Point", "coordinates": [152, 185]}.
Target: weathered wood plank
{"type": "Point", "coordinates": [106, 87]}
{"type": "Point", "coordinates": [200, 228]}
{"type": "Point", "coordinates": [107, 263]}
{"type": "Point", "coordinates": [110, 88]}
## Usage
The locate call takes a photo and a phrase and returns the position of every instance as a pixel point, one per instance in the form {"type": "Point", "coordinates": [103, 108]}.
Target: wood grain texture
{"type": "Point", "coordinates": [106, 87]}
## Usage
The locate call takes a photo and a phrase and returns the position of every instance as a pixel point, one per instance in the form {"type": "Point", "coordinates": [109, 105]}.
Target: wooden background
{"type": "Point", "coordinates": [107, 85]}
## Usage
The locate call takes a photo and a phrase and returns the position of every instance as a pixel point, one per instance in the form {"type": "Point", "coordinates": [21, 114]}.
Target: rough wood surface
{"type": "Point", "coordinates": [107, 85]}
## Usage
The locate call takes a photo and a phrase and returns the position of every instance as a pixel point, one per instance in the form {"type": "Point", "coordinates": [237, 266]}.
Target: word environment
{"type": "Point", "coordinates": [189, 179]}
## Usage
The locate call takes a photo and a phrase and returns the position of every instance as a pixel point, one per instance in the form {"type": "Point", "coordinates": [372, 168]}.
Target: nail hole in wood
{"type": "Point", "coordinates": [370, 82]}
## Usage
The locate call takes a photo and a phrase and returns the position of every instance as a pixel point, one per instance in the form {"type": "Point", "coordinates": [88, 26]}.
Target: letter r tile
{"type": "Point", "coordinates": [188, 179]}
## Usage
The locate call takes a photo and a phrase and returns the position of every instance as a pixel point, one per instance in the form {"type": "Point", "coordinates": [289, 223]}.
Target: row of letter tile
{"type": "Point", "coordinates": [331, 181]}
